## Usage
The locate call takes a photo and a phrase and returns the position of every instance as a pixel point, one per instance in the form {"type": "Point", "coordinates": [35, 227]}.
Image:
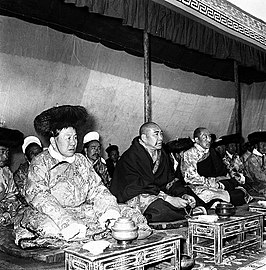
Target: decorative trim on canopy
{"type": "Point", "coordinates": [224, 14]}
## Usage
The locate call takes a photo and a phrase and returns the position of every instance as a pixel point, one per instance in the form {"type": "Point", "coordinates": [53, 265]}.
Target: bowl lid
{"type": "Point", "coordinates": [124, 223]}
{"type": "Point", "coordinates": [224, 205]}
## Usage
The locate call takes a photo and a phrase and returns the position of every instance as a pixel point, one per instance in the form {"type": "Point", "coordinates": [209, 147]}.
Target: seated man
{"type": "Point", "coordinates": [143, 178]}
{"type": "Point", "coordinates": [31, 147]}
{"type": "Point", "coordinates": [92, 150]}
{"type": "Point", "coordinates": [230, 156]}
{"type": "Point", "coordinates": [247, 149]}
{"type": "Point", "coordinates": [113, 157]}
{"type": "Point", "coordinates": [206, 174]}
{"type": "Point", "coordinates": [66, 197]}
{"type": "Point", "coordinates": [175, 150]}
{"type": "Point", "coordinates": [255, 165]}
{"type": "Point", "coordinates": [233, 162]}
{"type": "Point", "coordinates": [8, 191]}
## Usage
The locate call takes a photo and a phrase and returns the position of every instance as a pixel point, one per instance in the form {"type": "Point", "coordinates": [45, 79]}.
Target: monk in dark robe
{"type": "Point", "coordinates": [143, 179]}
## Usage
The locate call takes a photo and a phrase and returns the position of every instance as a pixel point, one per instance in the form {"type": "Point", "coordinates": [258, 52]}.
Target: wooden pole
{"type": "Point", "coordinates": [147, 75]}
{"type": "Point", "coordinates": [238, 109]}
{"type": "Point", "coordinates": [147, 86]}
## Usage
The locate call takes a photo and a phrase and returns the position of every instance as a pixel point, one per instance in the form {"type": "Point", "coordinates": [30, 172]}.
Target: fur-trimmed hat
{"type": "Point", "coordinates": [257, 136]}
{"type": "Point", "coordinates": [10, 137]}
{"type": "Point", "coordinates": [179, 145]}
{"type": "Point", "coordinates": [227, 139]}
{"type": "Point", "coordinates": [49, 121]}
{"type": "Point", "coordinates": [111, 148]}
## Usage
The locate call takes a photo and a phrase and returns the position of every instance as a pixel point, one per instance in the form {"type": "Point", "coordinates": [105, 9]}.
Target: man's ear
{"type": "Point", "coordinates": [196, 140]}
{"type": "Point", "coordinates": [26, 158]}
{"type": "Point", "coordinates": [143, 137]}
{"type": "Point", "coordinates": [86, 151]}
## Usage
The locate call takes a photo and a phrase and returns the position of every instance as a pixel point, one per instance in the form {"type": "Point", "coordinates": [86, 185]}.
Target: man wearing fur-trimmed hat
{"type": "Point", "coordinates": [255, 165]}
{"type": "Point", "coordinates": [67, 198]}
{"type": "Point", "coordinates": [230, 156]}
{"type": "Point", "coordinates": [233, 162]}
{"type": "Point", "coordinates": [31, 147]}
{"type": "Point", "coordinates": [92, 151]}
{"type": "Point", "coordinates": [8, 201]}
{"type": "Point", "coordinates": [175, 150]}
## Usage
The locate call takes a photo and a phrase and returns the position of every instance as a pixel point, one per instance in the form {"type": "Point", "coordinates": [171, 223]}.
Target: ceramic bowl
{"type": "Point", "coordinates": [225, 210]}
{"type": "Point", "coordinates": [262, 203]}
{"type": "Point", "coordinates": [124, 229]}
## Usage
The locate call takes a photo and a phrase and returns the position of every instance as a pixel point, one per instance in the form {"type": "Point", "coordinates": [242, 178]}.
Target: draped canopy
{"type": "Point", "coordinates": [178, 39]}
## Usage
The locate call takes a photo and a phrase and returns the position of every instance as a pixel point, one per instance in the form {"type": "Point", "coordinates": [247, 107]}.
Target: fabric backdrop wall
{"type": "Point", "coordinates": [41, 67]}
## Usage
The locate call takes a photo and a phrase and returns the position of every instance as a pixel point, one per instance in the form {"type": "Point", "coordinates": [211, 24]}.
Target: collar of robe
{"type": "Point", "coordinates": [153, 152]}
{"type": "Point", "coordinates": [256, 152]}
{"type": "Point", "coordinates": [100, 159]}
{"type": "Point", "coordinates": [201, 149]}
{"type": "Point", "coordinates": [229, 154]}
{"type": "Point", "coordinates": [60, 157]}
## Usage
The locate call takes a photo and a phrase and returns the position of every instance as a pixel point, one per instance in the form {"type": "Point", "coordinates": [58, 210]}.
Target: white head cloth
{"type": "Point", "coordinates": [28, 140]}
{"type": "Point", "coordinates": [91, 136]}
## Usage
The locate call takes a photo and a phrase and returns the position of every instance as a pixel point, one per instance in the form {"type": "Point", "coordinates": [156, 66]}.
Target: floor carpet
{"type": "Point", "coordinates": [247, 259]}
{"type": "Point", "coordinates": [8, 262]}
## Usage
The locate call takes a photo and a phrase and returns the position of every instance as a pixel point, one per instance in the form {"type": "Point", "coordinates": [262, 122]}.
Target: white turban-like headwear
{"type": "Point", "coordinates": [91, 136]}
{"type": "Point", "coordinates": [28, 140]}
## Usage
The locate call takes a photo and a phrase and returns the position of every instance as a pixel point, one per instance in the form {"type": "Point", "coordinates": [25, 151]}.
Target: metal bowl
{"type": "Point", "coordinates": [225, 210]}
{"type": "Point", "coordinates": [124, 230]}
{"type": "Point", "coordinates": [187, 262]}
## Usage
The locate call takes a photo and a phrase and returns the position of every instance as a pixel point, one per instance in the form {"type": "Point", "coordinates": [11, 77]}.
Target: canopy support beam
{"type": "Point", "coordinates": [238, 109]}
{"type": "Point", "coordinates": [147, 85]}
{"type": "Point", "coordinates": [147, 69]}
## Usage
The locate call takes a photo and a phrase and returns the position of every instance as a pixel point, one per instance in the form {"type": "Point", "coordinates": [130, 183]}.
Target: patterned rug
{"type": "Point", "coordinates": [247, 259]}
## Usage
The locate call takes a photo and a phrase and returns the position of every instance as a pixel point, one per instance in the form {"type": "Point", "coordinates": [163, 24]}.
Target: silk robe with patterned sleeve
{"type": "Point", "coordinates": [61, 193]}
{"type": "Point", "coordinates": [198, 183]}
{"type": "Point", "coordinates": [8, 200]}
{"type": "Point", "coordinates": [256, 170]}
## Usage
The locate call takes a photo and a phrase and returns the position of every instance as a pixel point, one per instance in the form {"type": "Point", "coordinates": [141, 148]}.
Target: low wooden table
{"type": "Point", "coordinates": [255, 207]}
{"type": "Point", "coordinates": [224, 236]}
{"type": "Point", "coordinates": [158, 247]}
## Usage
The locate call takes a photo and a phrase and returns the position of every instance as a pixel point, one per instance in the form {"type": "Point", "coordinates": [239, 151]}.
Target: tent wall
{"type": "Point", "coordinates": [254, 107]}
{"type": "Point", "coordinates": [40, 67]}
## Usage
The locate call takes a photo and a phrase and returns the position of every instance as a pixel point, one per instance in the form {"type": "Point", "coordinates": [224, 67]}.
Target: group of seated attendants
{"type": "Point", "coordinates": [60, 195]}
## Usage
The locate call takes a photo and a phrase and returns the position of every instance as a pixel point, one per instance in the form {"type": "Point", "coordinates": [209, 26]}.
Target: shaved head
{"type": "Point", "coordinates": [198, 131]}
{"type": "Point", "coordinates": [151, 135]}
{"type": "Point", "coordinates": [147, 127]}
{"type": "Point", "coordinates": [202, 137]}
